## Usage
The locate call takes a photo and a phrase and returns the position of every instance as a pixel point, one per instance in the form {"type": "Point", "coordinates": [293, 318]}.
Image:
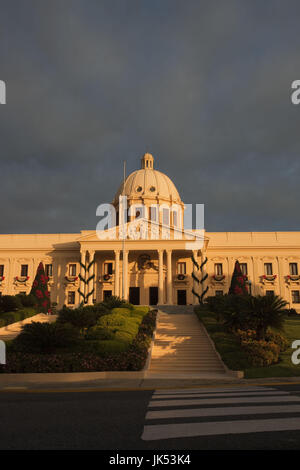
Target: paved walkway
{"type": "Point", "coordinates": [11, 331]}
{"type": "Point", "coordinates": [182, 346]}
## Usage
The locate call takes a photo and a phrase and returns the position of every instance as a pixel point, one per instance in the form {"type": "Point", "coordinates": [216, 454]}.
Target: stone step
{"type": "Point", "coordinates": [178, 360]}
{"type": "Point", "coordinates": [181, 345]}
{"type": "Point", "coordinates": [187, 369]}
{"type": "Point", "coordinates": [192, 363]}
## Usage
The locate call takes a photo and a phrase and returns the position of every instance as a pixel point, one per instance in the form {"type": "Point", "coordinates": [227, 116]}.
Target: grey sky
{"type": "Point", "coordinates": [202, 85]}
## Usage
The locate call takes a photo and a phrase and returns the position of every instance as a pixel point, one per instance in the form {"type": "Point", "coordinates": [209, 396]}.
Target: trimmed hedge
{"type": "Point", "coordinates": [133, 359]}
{"type": "Point", "coordinates": [37, 337]}
{"type": "Point", "coordinates": [10, 303]}
{"type": "Point", "coordinates": [12, 317]}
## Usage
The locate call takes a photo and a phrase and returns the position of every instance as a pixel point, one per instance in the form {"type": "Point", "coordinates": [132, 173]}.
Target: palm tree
{"type": "Point", "coordinates": [264, 312]}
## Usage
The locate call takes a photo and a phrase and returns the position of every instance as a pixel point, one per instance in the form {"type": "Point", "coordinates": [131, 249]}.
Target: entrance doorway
{"type": "Point", "coordinates": [106, 294]}
{"type": "Point", "coordinates": [134, 295]}
{"type": "Point", "coordinates": [153, 295]}
{"type": "Point", "coordinates": [181, 297]}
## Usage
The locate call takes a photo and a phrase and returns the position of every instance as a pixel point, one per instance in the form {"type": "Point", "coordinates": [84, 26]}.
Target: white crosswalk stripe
{"type": "Point", "coordinates": [205, 405]}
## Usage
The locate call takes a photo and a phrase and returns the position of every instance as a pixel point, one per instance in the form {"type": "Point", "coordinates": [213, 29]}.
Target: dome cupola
{"type": "Point", "coordinates": [148, 187]}
{"type": "Point", "coordinates": [148, 184]}
{"type": "Point", "coordinates": [147, 161]}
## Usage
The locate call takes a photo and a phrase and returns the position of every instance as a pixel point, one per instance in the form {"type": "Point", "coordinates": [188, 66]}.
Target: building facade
{"type": "Point", "coordinates": [159, 262]}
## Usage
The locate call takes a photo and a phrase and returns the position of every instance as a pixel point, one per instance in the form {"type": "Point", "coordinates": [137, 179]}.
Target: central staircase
{"type": "Point", "coordinates": [181, 345]}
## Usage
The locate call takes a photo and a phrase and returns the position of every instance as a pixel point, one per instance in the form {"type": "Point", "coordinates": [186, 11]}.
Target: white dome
{"type": "Point", "coordinates": [149, 184]}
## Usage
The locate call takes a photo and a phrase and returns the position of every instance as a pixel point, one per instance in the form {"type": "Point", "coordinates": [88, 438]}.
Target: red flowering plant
{"type": "Point", "coordinates": [218, 277]}
{"type": "Point", "coordinates": [238, 284]}
{"type": "Point", "coordinates": [22, 279]}
{"type": "Point", "coordinates": [40, 290]}
{"type": "Point", "coordinates": [269, 277]}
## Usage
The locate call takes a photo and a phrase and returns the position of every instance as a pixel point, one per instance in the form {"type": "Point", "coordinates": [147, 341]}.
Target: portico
{"type": "Point", "coordinates": [147, 272]}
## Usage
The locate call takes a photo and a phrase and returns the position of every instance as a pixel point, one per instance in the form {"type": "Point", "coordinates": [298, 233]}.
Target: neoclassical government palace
{"type": "Point", "coordinates": [169, 265]}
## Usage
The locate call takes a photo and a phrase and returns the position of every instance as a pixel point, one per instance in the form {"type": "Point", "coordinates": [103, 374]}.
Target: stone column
{"type": "Point", "coordinates": [117, 273]}
{"type": "Point", "coordinates": [125, 275]}
{"type": "Point", "coordinates": [160, 277]}
{"type": "Point", "coordinates": [169, 278]}
{"type": "Point", "coordinates": [95, 279]}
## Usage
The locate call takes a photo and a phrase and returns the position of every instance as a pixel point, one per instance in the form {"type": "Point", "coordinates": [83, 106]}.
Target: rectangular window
{"type": "Point", "coordinates": [166, 217]}
{"type": "Point", "coordinates": [175, 216]}
{"type": "Point", "coordinates": [293, 269]}
{"type": "Point", "coordinates": [71, 297]}
{"type": "Point", "coordinates": [218, 269]}
{"type": "Point", "coordinates": [268, 269]}
{"type": "Point", "coordinates": [269, 292]}
{"type": "Point", "coordinates": [1, 270]}
{"type": "Point", "coordinates": [244, 268]}
{"type": "Point", "coordinates": [108, 268]}
{"type": "Point", "coordinates": [296, 296]}
{"type": "Point", "coordinates": [153, 213]}
{"type": "Point", "coordinates": [181, 268]}
{"type": "Point", "coordinates": [72, 269]}
{"type": "Point", "coordinates": [49, 270]}
{"type": "Point", "coordinates": [219, 292]}
{"type": "Point", "coordinates": [24, 270]}
{"type": "Point", "coordinates": [138, 212]}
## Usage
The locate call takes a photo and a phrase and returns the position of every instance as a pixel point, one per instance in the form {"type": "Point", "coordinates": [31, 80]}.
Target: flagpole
{"type": "Point", "coordinates": [123, 239]}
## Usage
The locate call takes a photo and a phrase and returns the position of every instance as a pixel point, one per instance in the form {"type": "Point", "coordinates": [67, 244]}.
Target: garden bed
{"type": "Point", "coordinates": [235, 357]}
{"type": "Point", "coordinates": [100, 339]}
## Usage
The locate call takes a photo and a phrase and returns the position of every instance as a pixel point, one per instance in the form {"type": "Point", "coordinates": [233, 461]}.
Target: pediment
{"type": "Point", "coordinates": [142, 229]}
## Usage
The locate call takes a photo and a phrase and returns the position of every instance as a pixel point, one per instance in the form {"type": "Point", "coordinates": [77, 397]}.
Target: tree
{"type": "Point", "coordinates": [238, 284]}
{"type": "Point", "coordinates": [40, 290]}
{"type": "Point", "coordinates": [265, 311]}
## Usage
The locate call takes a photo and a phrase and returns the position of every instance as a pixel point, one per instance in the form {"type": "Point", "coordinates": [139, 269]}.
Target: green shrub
{"type": "Point", "coordinates": [82, 318]}
{"type": "Point", "coordinates": [115, 302]}
{"type": "Point", "coordinates": [10, 303]}
{"type": "Point", "coordinates": [88, 356]}
{"type": "Point", "coordinates": [45, 337]}
{"type": "Point", "coordinates": [109, 346]}
{"type": "Point", "coordinates": [125, 336]}
{"type": "Point", "coordinates": [7, 318]}
{"type": "Point", "coordinates": [261, 353]}
{"type": "Point", "coordinates": [99, 333]}
{"type": "Point", "coordinates": [278, 339]}
{"type": "Point", "coordinates": [140, 310]}
{"type": "Point", "coordinates": [27, 300]}
{"type": "Point", "coordinates": [121, 310]}
{"type": "Point", "coordinates": [113, 319]}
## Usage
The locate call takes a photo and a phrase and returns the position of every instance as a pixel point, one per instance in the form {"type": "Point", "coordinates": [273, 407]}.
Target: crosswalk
{"type": "Point", "coordinates": [215, 411]}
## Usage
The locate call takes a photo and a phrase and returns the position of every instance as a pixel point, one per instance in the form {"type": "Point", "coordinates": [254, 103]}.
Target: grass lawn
{"type": "Point", "coordinates": [285, 368]}
{"type": "Point", "coordinates": [229, 348]}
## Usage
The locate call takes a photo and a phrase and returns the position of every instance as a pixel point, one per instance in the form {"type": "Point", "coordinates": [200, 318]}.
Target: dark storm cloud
{"type": "Point", "coordinates": [204, 86]}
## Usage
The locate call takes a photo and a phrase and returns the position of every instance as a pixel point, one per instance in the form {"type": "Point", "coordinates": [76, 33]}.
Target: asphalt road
{"type": "Point", "coordinates": [137, 420]}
